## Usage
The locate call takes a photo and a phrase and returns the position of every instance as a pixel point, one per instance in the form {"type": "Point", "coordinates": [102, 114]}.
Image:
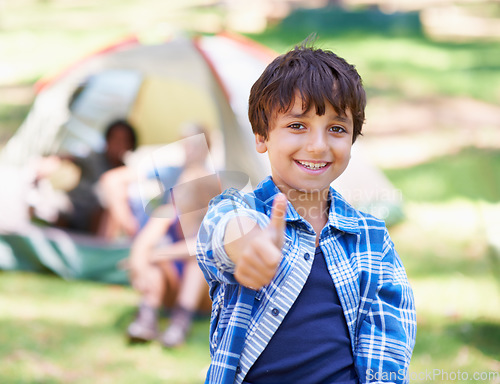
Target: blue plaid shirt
{"type": "Point", "coordinates": [368, 274]}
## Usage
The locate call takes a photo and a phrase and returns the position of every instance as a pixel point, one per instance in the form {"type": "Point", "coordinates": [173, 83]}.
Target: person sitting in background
{"type": "Point", "coordinates": [162, 265]}
{"type": "Point", "coordinates": [83, 211]}
{"type": "Point", "coordinates": [124, 213]}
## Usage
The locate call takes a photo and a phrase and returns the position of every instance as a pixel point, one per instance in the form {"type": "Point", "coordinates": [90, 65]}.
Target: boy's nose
{"type": "Point", "coordinates": [316, 142]}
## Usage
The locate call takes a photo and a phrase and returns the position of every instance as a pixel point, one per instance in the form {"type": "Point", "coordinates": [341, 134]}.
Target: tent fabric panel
{"type": "Point", "coordinates": [102, 264]}
{"type": "Point", "coordinates": [176, 58]}
{"type": "Point", "coordinates": [163, 105]}
{"type": "Point", "coordinates": [41, 254]}
{"type": "Point", "coordinates": [17, 253]}
{"type": "Point", "coordinates": [236, 70]}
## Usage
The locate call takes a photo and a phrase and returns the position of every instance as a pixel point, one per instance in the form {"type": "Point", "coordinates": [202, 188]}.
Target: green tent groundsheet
{"type": "Point", "coordinates": [71, 256]}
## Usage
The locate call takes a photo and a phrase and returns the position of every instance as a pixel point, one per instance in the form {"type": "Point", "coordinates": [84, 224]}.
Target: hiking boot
{"type": "Point", "coordinates": [176, 333]}
{"type": "Point", "coordinates": [145, 326]}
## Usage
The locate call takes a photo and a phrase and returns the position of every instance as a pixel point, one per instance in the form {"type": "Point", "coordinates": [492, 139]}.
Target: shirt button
{"type": "Point", "coordinates": [275, 311]}
{"type": "Point", "coordinates": [238, 369]}
{"type": "Point", "coordinates": [307, 256]}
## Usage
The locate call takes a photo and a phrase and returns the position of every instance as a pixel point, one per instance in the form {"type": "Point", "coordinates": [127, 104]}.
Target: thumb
{"type": "Point", "coordinates": [278, 214]}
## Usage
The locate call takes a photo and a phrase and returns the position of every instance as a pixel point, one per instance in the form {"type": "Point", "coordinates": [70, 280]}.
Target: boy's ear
{"type": "Point", "coordinates": [260, 143]}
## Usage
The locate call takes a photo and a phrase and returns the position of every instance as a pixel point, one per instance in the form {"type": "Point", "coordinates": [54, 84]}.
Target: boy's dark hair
{"type": "Point", "coordinates": [318, 75]}
{"type": "Point", "coordinates": [121, 124]}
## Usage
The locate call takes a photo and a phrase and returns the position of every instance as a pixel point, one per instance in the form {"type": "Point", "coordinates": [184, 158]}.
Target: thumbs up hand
{"type": "Point", "coordinates": [257, 252]}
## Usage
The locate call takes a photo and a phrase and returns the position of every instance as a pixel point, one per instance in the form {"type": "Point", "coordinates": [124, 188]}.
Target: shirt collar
{"type": "Point", "coordinates": [341, 216]}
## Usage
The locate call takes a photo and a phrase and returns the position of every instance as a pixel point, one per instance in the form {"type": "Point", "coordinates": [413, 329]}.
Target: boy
{"type": "Point", "coordinates": [304, 288]}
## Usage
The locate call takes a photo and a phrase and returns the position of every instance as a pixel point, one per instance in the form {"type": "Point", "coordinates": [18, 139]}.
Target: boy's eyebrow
{"type": "Point", "coordinates": [294, 115]}
{"type": "Point", "coordinates": [342, 119]}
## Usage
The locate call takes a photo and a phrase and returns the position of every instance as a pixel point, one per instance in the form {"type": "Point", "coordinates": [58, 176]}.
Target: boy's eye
{"type": "Point", "coordinates": [337, 129]}
{"type": "Point", "coordinates": [296, 126]}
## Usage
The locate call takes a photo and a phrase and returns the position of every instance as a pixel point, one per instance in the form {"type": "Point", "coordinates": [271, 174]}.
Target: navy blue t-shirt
{"type": "Point", "coordinates": [312, 344]}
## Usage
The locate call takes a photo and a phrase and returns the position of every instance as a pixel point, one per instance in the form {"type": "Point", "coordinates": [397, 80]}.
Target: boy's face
{"type": "Point", "coordinates": [307, 151]}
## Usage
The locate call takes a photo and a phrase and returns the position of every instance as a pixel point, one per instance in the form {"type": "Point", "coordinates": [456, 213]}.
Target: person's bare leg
{"type": "Point", "coordinates": [193, 286]}
{"type": "Point", "coordinates": [191, 291]}
{"type": "Point", "coordinates": [152, 290]}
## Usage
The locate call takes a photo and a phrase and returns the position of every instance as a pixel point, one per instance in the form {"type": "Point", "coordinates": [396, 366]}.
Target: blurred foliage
{"type": "Point", "coordinates": [394, 57]}
{"type": "Point", "coordinates": [339, 21]}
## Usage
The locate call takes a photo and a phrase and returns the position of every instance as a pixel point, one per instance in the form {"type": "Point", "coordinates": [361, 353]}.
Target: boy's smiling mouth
{"type": "Point", "coordinates": [316, 165]}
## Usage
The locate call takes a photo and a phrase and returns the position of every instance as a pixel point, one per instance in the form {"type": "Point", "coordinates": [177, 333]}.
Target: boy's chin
{"type": "Point", "coordinates": [303, 187]}
{"type": "Point", "coordinates": [311, 190]}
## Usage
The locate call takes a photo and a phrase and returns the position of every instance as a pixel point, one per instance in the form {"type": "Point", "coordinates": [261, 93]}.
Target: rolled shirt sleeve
{"type": "Point", "coordinates": [211, 254]}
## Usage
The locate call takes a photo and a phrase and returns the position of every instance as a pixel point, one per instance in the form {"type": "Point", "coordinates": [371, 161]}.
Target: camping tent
{"type": "Point", "coordinates": [204, 79]}
{"type": "Point", "coordinates": [159, 87]}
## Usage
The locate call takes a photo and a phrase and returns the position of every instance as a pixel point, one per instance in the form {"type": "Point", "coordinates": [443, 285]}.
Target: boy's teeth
{"type": "Point", "coordinates": [312, 165]}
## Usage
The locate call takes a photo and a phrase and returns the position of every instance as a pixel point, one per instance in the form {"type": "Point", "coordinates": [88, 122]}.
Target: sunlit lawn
{"type": "Point", "coordinates": [449, 244]}
{"type": "Point", "coordinates": [56, 331]}
{"type": "Point", "coordinates": [456, 281]}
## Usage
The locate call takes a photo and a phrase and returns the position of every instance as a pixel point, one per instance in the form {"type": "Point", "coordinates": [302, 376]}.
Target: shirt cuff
{"type": "Point", "coordinates": [222, 261]}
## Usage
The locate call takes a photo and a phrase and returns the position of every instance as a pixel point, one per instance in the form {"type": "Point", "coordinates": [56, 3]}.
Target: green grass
{"type": "Point", "coordinates": [451, 204]}
{"type": "Point", "coordinates": [472, 174]}
{"type": "Point", "coordinates": [56, 331]}
{"type": "Point", "coordinates": [456, 283]}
